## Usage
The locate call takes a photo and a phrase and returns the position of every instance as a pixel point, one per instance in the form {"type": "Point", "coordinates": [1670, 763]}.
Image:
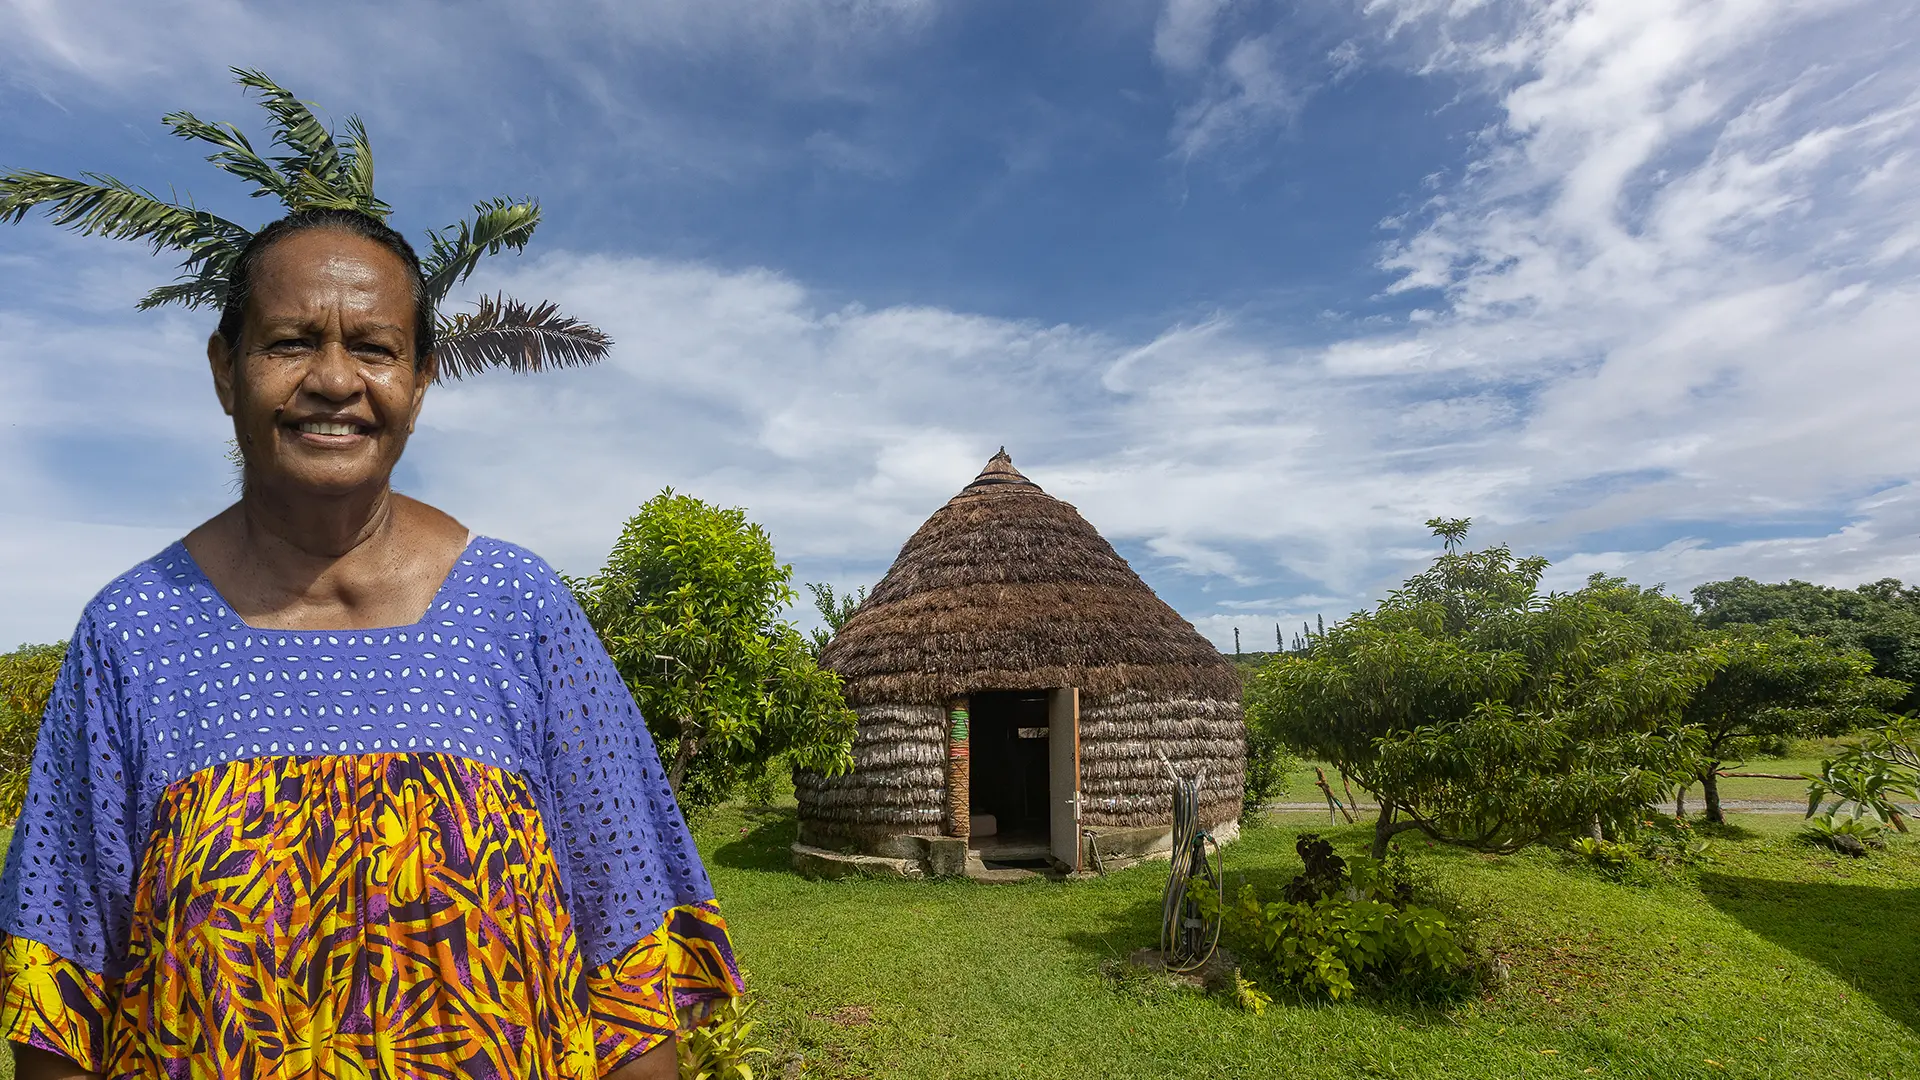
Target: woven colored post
{"type": "Point", "coordinates": [959, 773]}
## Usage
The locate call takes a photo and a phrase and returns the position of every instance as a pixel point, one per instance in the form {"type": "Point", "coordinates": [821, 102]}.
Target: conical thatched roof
{"type": "Point", "coordinates": [1008, 588]}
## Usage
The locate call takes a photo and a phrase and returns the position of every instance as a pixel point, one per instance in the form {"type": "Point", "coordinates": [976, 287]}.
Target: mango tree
{"type": "Point", "coordinates": [1769, 682]}
{"type": "Point", "coordinates": [1485, 713]}
{"type": "Point", "coordinates": [690, 605]}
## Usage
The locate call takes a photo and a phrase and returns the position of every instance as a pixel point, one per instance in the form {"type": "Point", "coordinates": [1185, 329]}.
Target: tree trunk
{"type": "Point", "coordinates": [1710, 791]}
{"type": "Point", "coordinates": [1386, 828]}
{"type": "Point", "coordinates": [1680, 801]}
{"type": "Point", "coordinates": [682, 757]}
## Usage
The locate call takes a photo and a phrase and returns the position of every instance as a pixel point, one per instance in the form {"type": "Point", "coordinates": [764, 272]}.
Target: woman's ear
{"type": "Point", "coordinates": [428, 372]}
{"type": "Point", "coordinates": [220, 359]}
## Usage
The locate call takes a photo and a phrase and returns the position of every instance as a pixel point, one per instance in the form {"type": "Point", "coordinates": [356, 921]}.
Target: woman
{"type": "Point", "coordinates": [332, 787]}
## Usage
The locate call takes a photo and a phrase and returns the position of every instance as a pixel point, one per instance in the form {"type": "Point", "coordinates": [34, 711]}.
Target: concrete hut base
{"type": "Point", "coordinates": [917, 857]}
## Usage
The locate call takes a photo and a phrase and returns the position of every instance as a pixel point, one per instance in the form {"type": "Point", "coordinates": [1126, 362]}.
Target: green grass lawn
{"type": "Point", "coordinates": [1778, 961]}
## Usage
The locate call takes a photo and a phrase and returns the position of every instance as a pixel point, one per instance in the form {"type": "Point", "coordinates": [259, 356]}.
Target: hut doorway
{"type": "Point", "coordinates": [1024, 778]}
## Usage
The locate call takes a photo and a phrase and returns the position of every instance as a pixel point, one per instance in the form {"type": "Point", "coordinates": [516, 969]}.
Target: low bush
{"type": "Point", "coordinates": [1344, 925]}
{"type": "Point", "coordinates": [1658, 848]}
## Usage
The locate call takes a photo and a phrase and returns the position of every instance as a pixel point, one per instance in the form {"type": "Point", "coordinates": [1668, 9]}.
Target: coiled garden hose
{"type": "Point", "coordinates": [1187, 938]}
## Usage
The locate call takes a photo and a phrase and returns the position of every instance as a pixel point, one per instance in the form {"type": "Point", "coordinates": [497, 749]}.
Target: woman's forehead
{"type": "Point", "coordinates": [328, 266]}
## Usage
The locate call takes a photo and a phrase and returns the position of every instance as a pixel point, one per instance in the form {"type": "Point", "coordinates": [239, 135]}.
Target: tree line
{"type": "Point", "coordinates": [1486, 713]}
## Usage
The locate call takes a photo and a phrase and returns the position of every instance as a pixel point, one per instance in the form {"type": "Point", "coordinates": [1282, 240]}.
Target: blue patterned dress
{"type": "Point", "coordinates": [444, 850]}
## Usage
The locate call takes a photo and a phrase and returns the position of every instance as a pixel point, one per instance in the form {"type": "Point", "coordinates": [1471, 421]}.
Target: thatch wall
{"type": "Point", "coordinates": [1122, 739]}
{"type": "Point", "coordinates": [898, 777]}
{"type": "Point", "coordinates": [1008, 588]}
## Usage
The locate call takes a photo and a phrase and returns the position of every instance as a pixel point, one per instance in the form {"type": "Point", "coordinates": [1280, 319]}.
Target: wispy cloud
{"type": "Point", "coordinates": [1657, 321]}
{"type": "Point", "coordinates": [1235, 83]}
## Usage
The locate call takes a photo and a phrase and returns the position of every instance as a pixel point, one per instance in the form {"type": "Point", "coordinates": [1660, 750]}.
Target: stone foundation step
{"type": "Point", "coordinates": [978, 871]}
{"type": "Point", "coordinates": [816, 862]}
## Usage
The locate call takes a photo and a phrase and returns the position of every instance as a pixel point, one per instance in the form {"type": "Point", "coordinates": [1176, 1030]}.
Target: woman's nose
{"type": "Point", "coordinates": [333, 374]}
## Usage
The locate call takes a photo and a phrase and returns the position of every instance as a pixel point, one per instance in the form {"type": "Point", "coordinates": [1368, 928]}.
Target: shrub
{"type": "Point", "coordinates": [1268, 764]}
{"type": "Point", "coordinates": [1658, 847]}
{"type": "Point", "coordinates": [1606, 855]}
{"type": "Point", "coordinates": [1671, 842]}
{"type": "Point", "coordinates": [1345, 924]}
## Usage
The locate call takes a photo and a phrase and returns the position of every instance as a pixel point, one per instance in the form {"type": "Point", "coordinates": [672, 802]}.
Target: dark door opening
{"type": "Point", "coordinates": [1009, 767]}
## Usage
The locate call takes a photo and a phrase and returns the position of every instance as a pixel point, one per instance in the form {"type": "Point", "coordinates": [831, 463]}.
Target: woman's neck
{"type": "Point", "coordinates": [321, 528]}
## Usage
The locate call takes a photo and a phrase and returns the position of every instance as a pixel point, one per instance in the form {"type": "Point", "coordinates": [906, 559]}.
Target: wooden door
{"type": "Point", "coordinates": [1063, 775]}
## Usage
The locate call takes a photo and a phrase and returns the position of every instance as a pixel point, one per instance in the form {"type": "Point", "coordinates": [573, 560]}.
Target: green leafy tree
{"type": "Point", "coordinates": [1671, 625]}
{"type": "Point", "coordinates": [834, 610]}
{"type": "Point", "coordinates": [689, 606]}
{"type": "Point", "coordinates": [27, 676]}
{"type": "Point", "coordinates": [317, 170]}
{"type": "Point", "coordinates": [1484, 713]}
{"type": "Point", "coordinates": [1882, 617]}
{"type": "Point", "coordinates": [1769, 682]}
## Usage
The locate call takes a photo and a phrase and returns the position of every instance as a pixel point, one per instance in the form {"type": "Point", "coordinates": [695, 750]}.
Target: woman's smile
{"type": "Point", "coordinates": [332, 434]}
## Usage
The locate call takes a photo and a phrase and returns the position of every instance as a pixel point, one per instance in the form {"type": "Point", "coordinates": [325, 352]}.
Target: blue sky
{"type": "Point", "coordinates": [1259, 287]}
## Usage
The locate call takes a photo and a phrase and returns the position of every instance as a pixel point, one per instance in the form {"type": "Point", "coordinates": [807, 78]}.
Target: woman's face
{"type": "Point", "coordinates": [322, 386]}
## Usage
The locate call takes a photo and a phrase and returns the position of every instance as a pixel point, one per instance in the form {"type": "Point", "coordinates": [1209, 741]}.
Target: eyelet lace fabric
{"type": "Point", "coordinates": [441, 849]}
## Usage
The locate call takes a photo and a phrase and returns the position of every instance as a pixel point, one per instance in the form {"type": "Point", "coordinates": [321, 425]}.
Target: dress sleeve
{"type": "Point", "coordinates": [66, 897]}
{"type": "Point", "coordinates": [656, 950]}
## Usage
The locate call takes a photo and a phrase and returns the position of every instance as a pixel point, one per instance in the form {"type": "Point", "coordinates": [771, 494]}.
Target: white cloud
{"type": "Point", "coordinates": [1183, 37]}
{"type": "Point", "coordinates": [1664, 328]}
{"type": "Point", "coordinates": [493, 76]}
{"type": "Point", "coordinates": [1236, 91]}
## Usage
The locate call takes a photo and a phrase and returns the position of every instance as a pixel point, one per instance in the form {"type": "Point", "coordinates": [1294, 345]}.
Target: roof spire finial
{"type": "Point", "coordinates": [999, 470]}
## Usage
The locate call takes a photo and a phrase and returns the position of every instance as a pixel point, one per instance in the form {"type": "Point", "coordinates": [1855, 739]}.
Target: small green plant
{"type": "Point", "coordinates": [1605, 853]}
{"type": "Point", "coordinates": [1672, 843]}
{"type": "Point", "coordinates": [1248, 996]}
{"type": "Point", "coordinates": [1655, 848]}
{"type": "Point", "coordinates": [1848, 835]}
{"type": "Point", "coordinates": [1872, 775]}
{"type": "Point", "coordinates": [721, 1048]}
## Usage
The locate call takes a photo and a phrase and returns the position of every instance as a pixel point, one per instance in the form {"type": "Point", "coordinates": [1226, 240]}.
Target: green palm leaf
{"type": "Point", "coordinates": [103, 206]}
{"type": "Point", "coordinates": [236, 154]}
{"type": "Point", "coordinates": [356, 177]}
{"type": "Point", "coordinates": [504, 333]}
{"type": "Point", "coordinates": [318, 171]}
{"type": "Point", "coordinates": [311, 147]}
{"type": "Point", "coordinates": [457, 249]}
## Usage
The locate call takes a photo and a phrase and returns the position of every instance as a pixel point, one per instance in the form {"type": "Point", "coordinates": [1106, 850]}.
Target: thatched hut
{"type": "Point", "coordinates": [1018, 687]}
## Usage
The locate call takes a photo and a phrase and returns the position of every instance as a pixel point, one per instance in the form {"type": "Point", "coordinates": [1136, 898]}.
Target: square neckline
{"type": "Point", "coordinates": [432, 603]}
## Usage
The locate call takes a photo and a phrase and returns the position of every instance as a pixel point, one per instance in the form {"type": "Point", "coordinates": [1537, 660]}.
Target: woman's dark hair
{"type": "Point", "coordinates": [240, 281]}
